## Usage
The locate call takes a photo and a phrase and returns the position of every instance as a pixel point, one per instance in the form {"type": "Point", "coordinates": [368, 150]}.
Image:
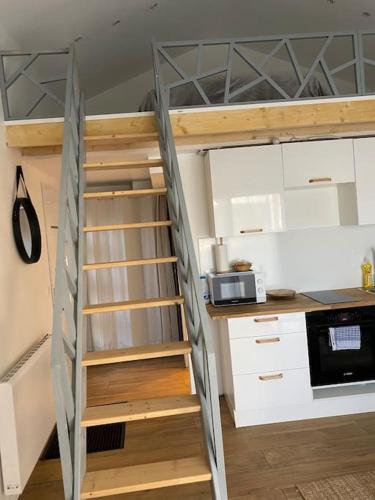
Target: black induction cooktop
{"type": "Point", "coordinates": [330, 297]}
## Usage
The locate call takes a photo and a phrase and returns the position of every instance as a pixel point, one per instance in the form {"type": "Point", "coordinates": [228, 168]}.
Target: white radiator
{"type": "Point", "coordinates": [27, 415]}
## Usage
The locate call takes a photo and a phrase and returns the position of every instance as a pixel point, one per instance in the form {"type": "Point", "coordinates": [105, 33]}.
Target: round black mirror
{"type": "Point", "coordinates": [26, 227]}
{"type": "Point", "coordinates": [25, 231]}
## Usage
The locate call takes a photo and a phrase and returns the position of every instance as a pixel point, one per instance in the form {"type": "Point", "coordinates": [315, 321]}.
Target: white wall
{"type": "Point", "coordinates": [304, 260]}
{"type": "Point", "coordinates": [25, 305]}
{"type": "Point", "coordinates": [123, 98]}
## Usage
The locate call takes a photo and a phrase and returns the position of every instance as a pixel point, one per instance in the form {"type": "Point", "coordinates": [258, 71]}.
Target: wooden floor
{"type": "Point", "coordinates": [263, 463]}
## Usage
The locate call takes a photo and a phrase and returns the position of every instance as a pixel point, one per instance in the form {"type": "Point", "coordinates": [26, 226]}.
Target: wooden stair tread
{"type": "Point", "coordinates": [132, 164]}
{"type": "Point", "coordinates": [145, 477]}
{"type": "Point", "coordinates": [127, 193]}
{"type": "Point", "coordinates": [134, 225]}
{"type": "Point", "coordinates": [129, 263]}
{"type": "Point", "coordinates": [137, 353]}
{"type": "Point", "coordinates": [133, 304]}
{"type": "Point", "coordinates": [140, 410]}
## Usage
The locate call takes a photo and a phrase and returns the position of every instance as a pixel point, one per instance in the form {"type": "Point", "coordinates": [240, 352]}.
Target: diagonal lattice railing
{"type": "Point", "coordinates": [67, 317]}
{"type": "Point", "coordinates": [28, 76]}
{"type": "Point", "coordinates": [254, 69]}
{"type": "Point", "coordinates": [199, 333]}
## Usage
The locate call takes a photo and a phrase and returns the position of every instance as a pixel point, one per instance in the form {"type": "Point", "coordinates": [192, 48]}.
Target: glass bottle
{"type": "Point", "coordinates": [367, 275]}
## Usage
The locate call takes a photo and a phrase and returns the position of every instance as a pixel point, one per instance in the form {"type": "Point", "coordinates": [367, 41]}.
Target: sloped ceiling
{"type": "Point", "coordinates": [113, 36]}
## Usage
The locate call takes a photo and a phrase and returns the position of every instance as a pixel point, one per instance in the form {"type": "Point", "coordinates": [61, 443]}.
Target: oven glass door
{"type": "Point", "coordinates": [329, 367]}
{"type": "Point", "coordinates": [234, 289]}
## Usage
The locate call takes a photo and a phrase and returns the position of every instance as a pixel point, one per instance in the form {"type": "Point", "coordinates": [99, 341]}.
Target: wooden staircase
{"type": "Point", "coordinates": [136, 353]}
{"type": "Point", "coordinates": [149, 476]}
{"type": "Point", "coordinates": [134, 225]}
{"type": "Point", "coordinates": [145, 477]}
{"type": "Point", "coordinates": [140, 410]}
{"type": "Point", "coordinates": [122, 165]}
{"type": "Point", "coordinates": [121, 194]}
{"type": "Point", "coordinates": [129, 263]}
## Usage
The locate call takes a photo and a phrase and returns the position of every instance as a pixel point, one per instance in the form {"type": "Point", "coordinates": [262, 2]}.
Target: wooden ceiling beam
{"type": "Point", "coordinates": [278, 117]}
{"type": "Point", "coordinates": [221, 125]}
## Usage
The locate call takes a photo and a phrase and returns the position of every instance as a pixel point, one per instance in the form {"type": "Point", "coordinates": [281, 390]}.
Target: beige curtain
{"type": "Point", "coordinates": [125, 328]}
{"type": "Point", "coordinates": [159, 279]}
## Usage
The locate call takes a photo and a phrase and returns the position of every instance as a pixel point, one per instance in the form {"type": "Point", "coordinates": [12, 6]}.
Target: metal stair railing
{"type": "Point", "coordinates": [67, 322]}
{"type": "Point", "coordinates": [27, 71]}
{"type": "Point", "coordinates": [68, 330]}
{"type": "Point", "coordinates": [341, 63]}
{"type": "Point", "coordinates": [199, 333]}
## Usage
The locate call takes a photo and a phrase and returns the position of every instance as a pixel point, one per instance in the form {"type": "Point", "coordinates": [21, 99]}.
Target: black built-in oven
{"type": "Point", "coordinates": [332, 367]}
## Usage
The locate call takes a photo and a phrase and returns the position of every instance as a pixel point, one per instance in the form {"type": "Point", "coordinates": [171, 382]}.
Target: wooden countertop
{"type": "Point", "coordinates": [300, 303]}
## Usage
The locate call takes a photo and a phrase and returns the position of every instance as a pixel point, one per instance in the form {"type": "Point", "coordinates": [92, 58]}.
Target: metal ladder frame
{"type": "Point", "coordinates": [199, 332]}
{"type": "Point", "coordinates": [68, 324]}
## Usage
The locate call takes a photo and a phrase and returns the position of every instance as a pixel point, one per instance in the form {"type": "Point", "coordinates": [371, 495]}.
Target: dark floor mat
{"type": "Point", "coordinates": [99, 438]}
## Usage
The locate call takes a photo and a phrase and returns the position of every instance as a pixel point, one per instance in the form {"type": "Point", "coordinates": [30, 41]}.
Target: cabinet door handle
{"type": "Point", "coordinates": [320, 179]}
{"type": "Point", "coordinates": [271, 340]}
{"type": "Point", "coordinates": [266, 320]}
{"type": "Point", "coordinates": [265, 378]}
{"type": "Point", "coordinates": [249, 231]}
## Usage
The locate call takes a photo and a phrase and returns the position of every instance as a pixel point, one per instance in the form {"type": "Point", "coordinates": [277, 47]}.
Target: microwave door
{"type": "Point", "coordinates": [234, 290]}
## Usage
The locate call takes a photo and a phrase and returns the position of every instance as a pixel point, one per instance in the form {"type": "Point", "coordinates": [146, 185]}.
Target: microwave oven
{"type": "Point", "coordinates": [236, 288]}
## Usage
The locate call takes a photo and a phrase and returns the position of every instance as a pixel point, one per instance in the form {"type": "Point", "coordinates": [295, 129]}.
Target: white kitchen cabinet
{"type": "Point", "coordinates": [245, 188]}
{"type": "Point", "coordinates": [269, 353]}
{"type": "Point", "coordinates": [266, 364]}
{"type": "Point", "coordinates": [275, 324]}
{"type": "Point", "coordinates": [272, 389]}
{"type": "Point", "coordinates": [364, 157]}
{"type": "Point", "coordinates": [321, 206]}
{"type": "Point", "coordinates": [296, 185]}
{"type": "Point", "coordinates": [317, 163]}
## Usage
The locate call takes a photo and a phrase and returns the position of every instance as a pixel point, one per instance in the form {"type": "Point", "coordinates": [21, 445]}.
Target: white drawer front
{"type": "Point", "coordinates": [269, 353]}
{"type": "Point", "coordinates": [266, 325]}
{"type": "Point", "coordinates": [272, 389]}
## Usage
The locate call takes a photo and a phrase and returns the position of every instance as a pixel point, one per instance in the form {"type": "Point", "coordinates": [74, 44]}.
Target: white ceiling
{"type": "Point", "coordinates": [111, 51]}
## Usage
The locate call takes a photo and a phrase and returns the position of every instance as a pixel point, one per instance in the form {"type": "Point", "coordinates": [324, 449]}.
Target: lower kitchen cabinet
{"type": "Point", "coordinates": [266, 373]}
{"type": "Point", "coordinates": [274, 324]}
{"type": "Point", "coordinates": [269, 353]}
{"type": "Point", "coordinates": [266, 362]}
{"type": "Point", "coordinates": [272, 389]}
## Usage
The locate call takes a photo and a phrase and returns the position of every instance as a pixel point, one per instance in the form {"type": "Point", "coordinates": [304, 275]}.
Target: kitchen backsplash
{"type": "Point", "coordinates": [305, 260]}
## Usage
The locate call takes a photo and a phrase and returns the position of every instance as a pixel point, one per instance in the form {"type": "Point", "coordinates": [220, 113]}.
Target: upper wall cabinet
{"type": "Point", "coordinates": [364, 154]}
{"type": "Point", "coordinates": [318, 163]}
{"type": "Point", "coordinates": [291, 186]}
{"type": "Point", "coordinates": [245, 187]}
